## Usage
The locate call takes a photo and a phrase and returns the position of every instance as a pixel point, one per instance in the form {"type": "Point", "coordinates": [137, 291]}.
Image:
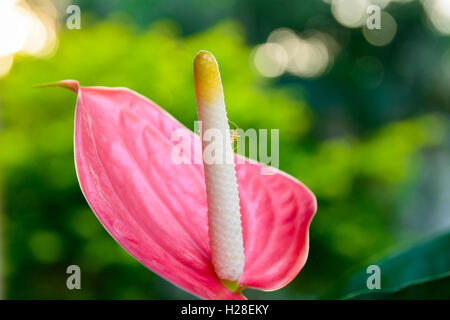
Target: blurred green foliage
{"type": "Point", "coordinates": [49, 225]}
{"type": "Point", "coordinates": [357, 179]}
{"type": "Point", "coordinates": [413, 273]}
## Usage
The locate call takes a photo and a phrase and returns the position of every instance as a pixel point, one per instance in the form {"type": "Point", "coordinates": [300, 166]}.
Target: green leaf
{"type": "Point", "coordinates": [436, 289]}
{"type": "Point", "coordinates": [419, 272]}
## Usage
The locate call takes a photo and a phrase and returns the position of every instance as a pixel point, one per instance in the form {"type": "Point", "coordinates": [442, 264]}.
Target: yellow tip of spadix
{"type": "Point", "coordinates": [208, 86]}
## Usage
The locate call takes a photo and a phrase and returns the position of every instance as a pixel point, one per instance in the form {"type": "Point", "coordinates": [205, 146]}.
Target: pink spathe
{"type": "Point", "coordinates": [157, 209]}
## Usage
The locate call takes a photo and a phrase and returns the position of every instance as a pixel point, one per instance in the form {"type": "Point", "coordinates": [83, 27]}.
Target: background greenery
{"type": "Point", "coordinates": [377, 157]}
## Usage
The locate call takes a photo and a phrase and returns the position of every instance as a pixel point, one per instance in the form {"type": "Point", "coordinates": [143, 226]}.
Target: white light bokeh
{"type": "Point", "coordinates": [350, 13]}
{"type": "Point", "coordinates": [353, 13]}
{"type": "Point", "coordinates": [346, 3]}
{"type": "Point", "coordinates": [26, 31]}
{"type": "Point", "coordinates": [438, 12]}
{"type": "Point", "coordinates": [13, 28]}
{"type": "Point", "coordinates": [270, 59]}
{"type": "Point", "coordinates": [306, 56]}
{"type": "Point", "coordinates": [381, 3]}
{"type": "Point", "coordinates": [310, 58]}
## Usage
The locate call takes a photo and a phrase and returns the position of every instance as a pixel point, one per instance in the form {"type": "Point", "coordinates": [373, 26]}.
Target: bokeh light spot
{"type": "Point", "coordinates": [438, 12]}
{"type": "Point", "coordinates": [307, 55]}
{"type": "Point", "coordinates": [350, 13]}
{"type": "Point", "coordinates": [26, 31]}
{"type": "Point", "coordinates": [270, 59]}
{"type": "Point", "coordinates": [383, 36]}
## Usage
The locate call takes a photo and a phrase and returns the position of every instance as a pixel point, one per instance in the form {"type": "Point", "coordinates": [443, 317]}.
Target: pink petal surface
{"type": "Point", "coordinates": [157, 210]}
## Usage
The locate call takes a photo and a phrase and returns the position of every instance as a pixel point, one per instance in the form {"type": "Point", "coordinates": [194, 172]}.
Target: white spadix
{"type": "Point", "coordinates": [224, 218]}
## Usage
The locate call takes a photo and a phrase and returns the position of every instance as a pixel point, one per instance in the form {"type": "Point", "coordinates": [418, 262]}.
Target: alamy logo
{"type": "Point", "coordinates": [74, 280]}
{"type": "Point", "coordinates": [73, 21]}
{"type": "Point", "coordinates": [374, 280]}
{"type": "Point", "coordinates": [374, 19]}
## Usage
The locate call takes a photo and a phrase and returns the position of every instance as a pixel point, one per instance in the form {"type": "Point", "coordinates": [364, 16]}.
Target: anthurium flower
{"type": "Point", "coordinates": [157, 210]}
